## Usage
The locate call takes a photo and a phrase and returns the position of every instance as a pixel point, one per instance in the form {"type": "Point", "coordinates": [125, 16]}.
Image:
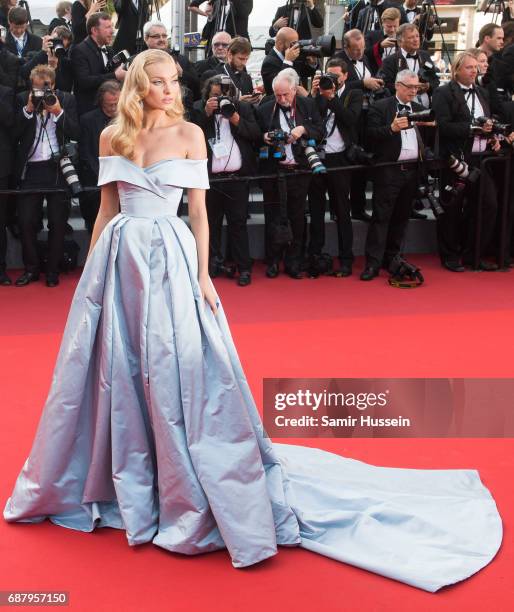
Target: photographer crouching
{"type": "Point", "coordinates": [46, 119]}
{"type": "Point", "coordinates": [462, 111]}
{"type": "Point", "coordinates": [231, 132]}
{"type": "Point", "coordinates": [340, 109]}
{"type": "Point", "coordinates": [291, 126]}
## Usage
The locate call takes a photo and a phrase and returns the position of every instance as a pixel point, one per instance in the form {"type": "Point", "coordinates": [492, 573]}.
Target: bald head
{"type": "Point", "coordinates": [285, 38]}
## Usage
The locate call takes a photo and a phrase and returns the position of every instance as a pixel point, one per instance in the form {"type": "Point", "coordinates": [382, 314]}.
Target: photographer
{"type": "Point", "coordinates": [91, 62]}
{"type": "Point", "coordinates": [91, 126]}
{"type": "Point", "coordinates": [9, 67]}
{"type": "Point", "coordinates": [457, 106]}
{"type": "Point", "coordinates": [369, 17]}
{"type": "Point", "coordinates": [418, 16]}
{"type": "Point", "coordinates": [220, 45]}
{"type": "Point", "coordinates": [382, 43]}
{"type": "Point", "coordinates": [290, 15]}
{"type": "Point", "coordinates": [6, 153]}
{"type": "Point", "coordinates": [130, 14]}
{"type": "Point", "coordinates": [55, 53]}
{"type": "Point", "coordinates": [235, 68]}
{"type": "Point", "coordinates": [285, 54]}
{"type": "Point", "coordinates": [231, 132]}
{"type": "Point", "coordinates": [81, 11]}
{"type": "Point", "coordinates": [45, 120]}
{"type": "Point", "coordinates": [395, 138]}
{"type": "Point", "coordinates": [409, 56]}
{"type": "Point", "coordinates": [63, 11]}
{"type": "Point", "coordinates": [287, 122]}
{"type": "Point", "coordinates": [340, 110]}
{"type": "Point", "coordinates": [19, 40]}
{"type": "Point", "coordinates": [156, 36]}
{"type": "Point", "coordinates": [233, 19]}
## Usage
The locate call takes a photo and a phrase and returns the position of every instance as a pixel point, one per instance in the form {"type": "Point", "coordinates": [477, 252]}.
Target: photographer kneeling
{"type": "Point", "coordinates": [289, 123]}
{"type": "Point", "coordinates": [462, 110]}
{"type": "Point", "coordinates": [45, 120]}
{"type": "Point", "coordinates": [340, 109]}
{"type": "Point", "coordinates": [231, 131]}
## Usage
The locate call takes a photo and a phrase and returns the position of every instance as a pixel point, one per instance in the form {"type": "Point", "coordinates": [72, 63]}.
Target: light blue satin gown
{"type": "Point", "coordinates": [150, 426]}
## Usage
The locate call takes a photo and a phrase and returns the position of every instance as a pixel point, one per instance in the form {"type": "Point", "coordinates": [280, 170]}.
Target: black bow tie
{"type": "Point", "coordinates": [410, 11]}
{"type": "Point", "coordinates": [403, 107]}
{"type": "Point", "coordinates": [413, 56]}
{"type": "Point", "coordinates": [103, 49]}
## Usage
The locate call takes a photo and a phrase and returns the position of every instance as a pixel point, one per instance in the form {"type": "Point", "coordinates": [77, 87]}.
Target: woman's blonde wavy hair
{"type": "Point", "coordinates": [129, 120]}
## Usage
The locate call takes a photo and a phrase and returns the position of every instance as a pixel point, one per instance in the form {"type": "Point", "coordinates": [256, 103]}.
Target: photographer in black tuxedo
{"type": "Point", "coordinates": [394, 138]}
{"type": "Point", "coordinates": [233, 17]}
{"type": "Point", "coordinates": [457, 106]}
{"type": "Point", "coordinates": [235, 68]}
{"type": "Point", "coordinates": [409, 56]}
{"type": "Point", "coordinates": [46, 120]}
{"type": "Point", "coordinates": [382, 43]}
{"type": "Point", "coordinates": [286, 123]}
{"type": "Point", "coordinates": [419, 17]}
{"type": "Point", "coordinates": [131, 14]}
{"type": "Point", "coordinates": [55, 53]}
{"type": "Point", "coordinates": [6, 155]}
{"type": "Point", "coordinates": [340, 109]}
{"type": "Point", "coordinates": [90, 60]}
{"type": "Point", "coordinates": [369, 17]}
{"type": "Point", "coordinates": [290, 15]}
{"type": "Point", "coordinates": [231, 132]}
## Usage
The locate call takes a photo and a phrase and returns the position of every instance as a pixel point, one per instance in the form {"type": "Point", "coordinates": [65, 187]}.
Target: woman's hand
{"type": "Point", "coordinates": [208, 293]}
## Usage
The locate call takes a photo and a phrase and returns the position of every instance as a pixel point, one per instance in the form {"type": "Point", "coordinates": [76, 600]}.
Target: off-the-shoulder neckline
{"type": "Point", "coordinates": [161, 161]}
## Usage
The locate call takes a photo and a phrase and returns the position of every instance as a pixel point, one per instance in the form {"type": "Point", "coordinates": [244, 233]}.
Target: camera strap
{"type": "Point", "coordinates": [42, 131]}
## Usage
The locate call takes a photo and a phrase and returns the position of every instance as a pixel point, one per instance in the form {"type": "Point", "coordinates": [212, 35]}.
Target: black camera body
{"type": "Point", "coordinates": [57, 47]}
{"type": "Point", "coordinates": [121, 58]}
{"type": "Point", "coordinates": [417, 116]}
{"type": "Point", "coordinates": [426, 196]}
{"type": "Point", "coordinates": [328, 81]}
{"type": "Point", "coordinates": [323, 46]}
{"type": "Point", "coordinates": [357, 156]}
{"type": "Point", "coordinates": [278, 140]}
{"type": "Point", "coordinates": [226, 106]}
{"type": "Point", "coordinates": [42, 98]}
{"type": "Point", "coordinates": [453, 193]}
{"type": "Point", "coordinates": [68, 155]}
{"type": "Point", "coordinates": [498, 128]}
{"type": "Point", "coordinates": [427, 72]}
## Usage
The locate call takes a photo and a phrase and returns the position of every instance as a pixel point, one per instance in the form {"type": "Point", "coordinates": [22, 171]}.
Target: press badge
{"type": "Point", "coordinates": [219, 149]}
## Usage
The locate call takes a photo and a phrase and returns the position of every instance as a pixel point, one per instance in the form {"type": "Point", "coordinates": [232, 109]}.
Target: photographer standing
{"type": "Point", "coordinates": [6, 151]}
{"type": "Point", "coordinates": [9, 67]}
{"type": "Point", "coordinates": [457, 107]}
{"type": "Point", "coordinates": [382, 43]}
{"type": "Point", "coordinates": [45, 120]}
{"type": "Point", "coordinates": [231, 132]}
{"type": "Point", "coordinates": [369, 17]}
{"type": "Point", "coordinates": [290, 15]}
{"type": "Point", "coordinates": [394, 138]}
{"type": "Point", "coordinates": [287, 122]}
{"type": "Point", "coordinates": [228, 15]}
{"type": "Point", "coordinates": [131, 13]}
{"type": "Point", "coordinates": [235, 68]}
{"type": "Point", "coordinates": [340, 110]}
{"type": "Point", "coordinates": [220, 45]}
{"type": "Point", "coordinates": [91, 62]}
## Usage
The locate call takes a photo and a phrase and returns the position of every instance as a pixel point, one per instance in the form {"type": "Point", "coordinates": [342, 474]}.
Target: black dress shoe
{"type": "Point", "coordinates": [369, 273]}
{"type": "Point", "coordinates": [454, 266]}
{"type": "Point", "coordinates": [364, 216]}
{"type": "Point", "coordinates": [272, 270]}
{"type": "Point", "coordinates": [294, 273]}
{"type": "Point", "coordinates": [484, 266]}
{"type": "Point", "coordinates": [244, 279]}
{"type": "Point", "coordinates": [52, 279]}
{"type": "Point", "coordinates": [417, 215]}
{"type": "Point", "coordinates": [4, 279]}
{"type": "Point", "coordinates": [345, 270]}
{"type": "Point", "coordinates": [26, 278]}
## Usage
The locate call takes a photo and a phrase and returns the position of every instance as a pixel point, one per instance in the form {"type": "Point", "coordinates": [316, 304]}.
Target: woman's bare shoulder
{"type": "Point", "coordinates": [105, 140]}
{"type": "Point", "coordinates": [195, 140]}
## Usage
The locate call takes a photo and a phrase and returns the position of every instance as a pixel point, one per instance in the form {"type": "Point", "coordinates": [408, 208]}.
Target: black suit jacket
{"type": "Point", "coordinates": [91, 126]}
{"type": "Point", "coordinates": [501, 68]}
{"type": "Point", "coordinates": [57, 21]}
{"type": "Point", "coordinates": [272, 65]}
{"type": "Point", "coordinates": [454, 118]}
{"type": "Point", "coordinates": [242, 80]}
{"type": "Point", "coordinates": [354, 80]}
{"type": "Point", "coordinates": [306, 114]}
{"type": "Point", "coordinates": [386, 144]}
{"type": "Point", "coordinates": [303, 28]}
{"type": "Point", "coordinates": [363, 15]}
{"type": "Point", "coordinates": [347, 111]}
{"type": "Point", "coordinates": [33, 44]}
{"type": "Point", "coordinates": [246, 135]}
{"type": "Point", "coordinates": [63, 73]}
{"type": "Point", "coordinates": [67, 127]}
{"type": "Point", "coordinates": [6, 124]}
{"type": "Point", "coordinates": [396, 62]}
{"type": "Point", "coordinates": [78, 22]}
{"type": "Point", "coordinates": [128, 19]}
{"type": "Point", "coordinates": [374, 51]}
{"type": "Point", "coordinates": [237, 19]}
{"type": "Point", "coordinates": [9, 66]}
{"type": "Point", "coordinates": [206, 65]}
{"type": "Point", "coordinates": [89, 73]}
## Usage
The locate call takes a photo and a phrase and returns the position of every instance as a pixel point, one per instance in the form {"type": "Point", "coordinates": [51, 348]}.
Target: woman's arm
{"type": "Point", "coordinates": [198, 216]}
{"type": "Point", "coordinates": [110, 202]}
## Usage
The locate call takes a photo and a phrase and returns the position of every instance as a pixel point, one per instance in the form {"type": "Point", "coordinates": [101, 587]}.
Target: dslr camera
{"type": "Point", "coordinates": [277, 147]}
{"type": "Point", "coordinates": [453, 193]}
{"type": "Point", "coordinates": [427, 72]}
{"type": "Point", "coordinates": [121, 58]}
{"type": "Point", "coordinates": [498, 128]}
{"type": "Point", "coordinates": [357, 156]}
{"type": "Point", "coordinates": [41, 98]}
{"type": "Point", "coordinates": [417, 116]}
{"type": "Point", "coordinates": [68, 153]}
{"type": "Point", "coordinates": [328, 81]}
{"type": "Point", "coordinates": [227, 103]}
{"type": "Point", "coordinates": [312, 152]}
{"type": "Point", "coordinates": [323, 46]}
{"type": "Point", "coordinates": [56, 46]}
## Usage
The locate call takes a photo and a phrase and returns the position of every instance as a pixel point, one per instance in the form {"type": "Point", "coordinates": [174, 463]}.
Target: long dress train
{"type": "Point", "coordinates": [150, 426]}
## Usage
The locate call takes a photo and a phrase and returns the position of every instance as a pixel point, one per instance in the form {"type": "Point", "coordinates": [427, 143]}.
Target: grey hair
{"type": "Point", "coordinates": [153, 24]}
{"type": "Point", "coordinates": [405, 74]}
{"type": "Point", "coordinates": [288, 74]}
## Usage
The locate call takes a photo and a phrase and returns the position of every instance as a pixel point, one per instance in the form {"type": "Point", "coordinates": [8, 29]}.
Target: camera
{"type": "Point", "coordinates": [498, 128]}
{"type": "Point", "coordinates": [118, 60]}
{"type": "Point", "coordinates": [378, 94]}
{"type": "Point", "coordinates": [313, 158]}
{"type": "Point", "coordinates": [43, 97]}
{"type": "Point", "coordinates": [56, 45]}
{"type": "Point", "coordinates": [324, 46]}
{"type": "Point", "coordinates": [357, 156]}
{"type": "Point", "coordinates": [69, 152]}
{"type": "Point", "coordinates": [226, 107]}
{"type": "Point", "coordinates": [454, 193]}
{"type": "Point", "coordinates": [426, 196]}
{"type": "Point", "coordinates": [427, 72]}
{"type": "Point", "coordinates": [418, 116]}
{"type": "Point", "coordinates": [328, 81]}
{"type": "Point", "coordinates": [278, 139]}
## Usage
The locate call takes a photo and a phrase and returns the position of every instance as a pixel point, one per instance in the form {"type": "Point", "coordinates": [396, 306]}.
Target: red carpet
{"type": "Point", "coordinates": [456, 325]}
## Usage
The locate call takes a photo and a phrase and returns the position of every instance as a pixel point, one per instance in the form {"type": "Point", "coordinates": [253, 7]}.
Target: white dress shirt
{"type": "Point", "coordinates": [479, 142]}
{"type": "Point", "coordinates": [413, 65]}
{"type": "Point", "coordinates": [335, 142]}
{"type": "Point", "coordinates": [233, 161]}
{"type": "Point", "coordinates": [289, 149]}
{"type": "Point", "coordinates": [48, 143]}
{"type": "Point", "coordinates": [410, 147]}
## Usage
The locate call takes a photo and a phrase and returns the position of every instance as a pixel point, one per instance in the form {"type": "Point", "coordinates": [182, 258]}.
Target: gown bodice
{"type": "Point", "coordinates": [156, 190]}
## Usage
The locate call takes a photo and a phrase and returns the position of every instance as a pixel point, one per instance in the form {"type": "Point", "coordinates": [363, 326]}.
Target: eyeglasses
{"type": "Point", "coordinates": [411, 87]}
{"type": "Point", "coordinates": [223, 45]}
{"type": "Point", "coordinates": [158, 36]}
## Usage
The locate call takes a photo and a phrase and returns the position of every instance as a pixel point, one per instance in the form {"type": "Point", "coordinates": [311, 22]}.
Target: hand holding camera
{"type": "Point", "coordinates": [297, 133]}
{"type": "Point", "coordinates": [388, 43]}
{"type": "Point", "coordinates": [211, 106]}
{"type": "Point", "coordinates": [293, 52]}
{"type": "Point", "coordinates": [399, 124]}
{"type": "Point", "coordinates": [373, 83]}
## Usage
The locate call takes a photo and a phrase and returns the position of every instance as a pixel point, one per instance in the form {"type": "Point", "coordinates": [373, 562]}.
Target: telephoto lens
{"type": "Point", "coordinates": [70, 175]}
